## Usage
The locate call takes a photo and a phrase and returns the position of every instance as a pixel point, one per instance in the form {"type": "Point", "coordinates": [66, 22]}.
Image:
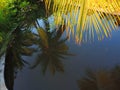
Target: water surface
{"type": "Point", "coordinates": [96, 56]}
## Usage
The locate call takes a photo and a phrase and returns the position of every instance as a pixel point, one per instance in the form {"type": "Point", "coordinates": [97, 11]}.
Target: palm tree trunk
{"type": "Point", "coordinates": [2, 82]}
{"type": "Point", "coordinates": [6, 62]}
{"type": "Point", "coordinates": [8, 69]}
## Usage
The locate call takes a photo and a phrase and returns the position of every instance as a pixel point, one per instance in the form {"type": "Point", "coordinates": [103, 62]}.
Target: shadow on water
{"type": "Point", "coordinates": [101, 80]}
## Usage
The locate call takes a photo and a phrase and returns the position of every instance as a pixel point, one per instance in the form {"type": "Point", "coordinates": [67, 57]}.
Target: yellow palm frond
{"type": "Point", "coordinates": [86, 18]}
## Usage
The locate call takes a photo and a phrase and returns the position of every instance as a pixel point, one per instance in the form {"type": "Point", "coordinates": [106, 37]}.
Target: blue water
{"type": "Point", "coordinates": [96, 55]}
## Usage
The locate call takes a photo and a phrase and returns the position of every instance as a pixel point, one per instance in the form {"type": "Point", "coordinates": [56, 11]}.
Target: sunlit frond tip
{"type": "Point", "coordinates": [87, 19]}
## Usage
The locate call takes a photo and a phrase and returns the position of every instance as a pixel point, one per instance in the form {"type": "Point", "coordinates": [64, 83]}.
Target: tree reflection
{"type": "Point", "coordinates": [52, 50]}
{"type": "Point", "coordinates": [13, 60]}
{"type": "Point", "coordinates": [101, 80]}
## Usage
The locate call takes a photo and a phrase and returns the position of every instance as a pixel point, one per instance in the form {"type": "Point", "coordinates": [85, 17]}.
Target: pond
{"type": "Point", "coordinates": [38, 52]}
{"type": "Point", "coordinates": [98, 58]}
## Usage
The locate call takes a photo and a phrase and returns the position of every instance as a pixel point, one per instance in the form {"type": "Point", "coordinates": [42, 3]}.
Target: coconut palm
{"type": "Point", "coordinates": [15, 36]}
{"type": "Point", "coordinates": [83, 17]}
{"type": "Point", "coordinates": [14, 62]}
{"type": "Point", "coordinates": [53, 50]}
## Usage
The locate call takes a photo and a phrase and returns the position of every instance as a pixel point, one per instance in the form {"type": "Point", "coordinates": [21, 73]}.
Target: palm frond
{"type": "Point", "coordinates": [85, 17]}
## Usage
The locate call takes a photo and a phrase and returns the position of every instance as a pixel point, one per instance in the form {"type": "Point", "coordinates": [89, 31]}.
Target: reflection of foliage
{"type": "Point", "coordinates": [101, 80]}
{"type": "Point", "coordinates": [53, 49]}
{"type": "Point", "coordinates": [16, 48]}
{"type": "Point", "coordinates": [20, 46]}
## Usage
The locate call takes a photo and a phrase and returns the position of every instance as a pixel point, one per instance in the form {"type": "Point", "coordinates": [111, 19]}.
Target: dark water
{"type": "Point", "coordinates": [96, 56]}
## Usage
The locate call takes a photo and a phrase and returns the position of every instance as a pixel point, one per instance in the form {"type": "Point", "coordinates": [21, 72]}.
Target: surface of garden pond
{"type": "Point", "coordinates": [101, 57]}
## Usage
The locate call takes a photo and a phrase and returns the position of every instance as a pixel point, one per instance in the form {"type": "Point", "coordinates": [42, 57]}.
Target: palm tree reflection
{"type": "Point", "coordinates": [52, 50]}
{"type": "Point", "coordinates": [13, 61]}
{"type": "Point", "coordinates": [101, 80]}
